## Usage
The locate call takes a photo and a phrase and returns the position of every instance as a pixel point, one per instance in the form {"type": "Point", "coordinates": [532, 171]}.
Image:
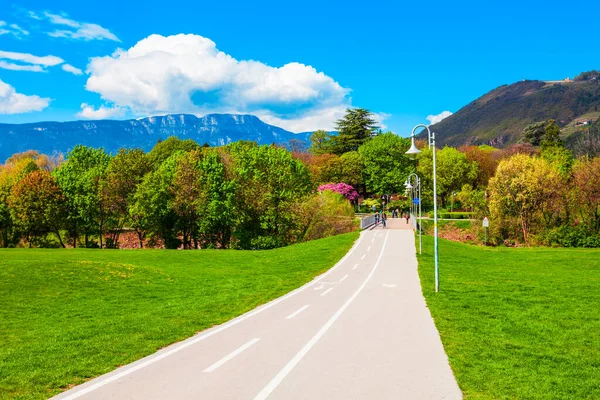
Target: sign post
{"type": "Point", "coordinates": [486, 224]}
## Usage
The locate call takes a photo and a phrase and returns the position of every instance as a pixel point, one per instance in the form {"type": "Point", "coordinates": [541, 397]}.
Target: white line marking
{"type": "Point", "coordinates": [292, 315]}
{"type": "Point", "coordinates": [342, 280]}
{"type": "Point", "coordinates": [230, 356]}
{"type": "Point", "coordinates": [144, 362]}
{"type": "Point", "coordinates": [271, 386]}
{"type": "Point", "coordinates": [319, 287]}
{"type": "Point", "coordinates": [387, 285]}
{"type": "Point", "coordinates": [355, 266]}
{"type": "Point", "coordinates": [363, 256]}
{"type": "Point", "coordinates": [369, 248]}
{"type": "Point", "coordinates": [327, 291]}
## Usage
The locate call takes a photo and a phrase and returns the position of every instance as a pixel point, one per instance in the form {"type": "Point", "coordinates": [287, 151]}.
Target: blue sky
{"type": "Point", "coordinates": [296, 65]}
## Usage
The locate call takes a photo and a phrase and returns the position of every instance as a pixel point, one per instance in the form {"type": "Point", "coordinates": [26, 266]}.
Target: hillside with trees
{"type": "Point", "coordinates": [499, 117]}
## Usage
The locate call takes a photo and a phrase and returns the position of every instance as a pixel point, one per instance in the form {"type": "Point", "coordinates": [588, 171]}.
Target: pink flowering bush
{"type": "Point", "coordinates": [342, 188]}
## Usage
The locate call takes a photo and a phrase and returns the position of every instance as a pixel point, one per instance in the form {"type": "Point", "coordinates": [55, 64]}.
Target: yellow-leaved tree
{"type": "Point", "coordinates": [525, 197]}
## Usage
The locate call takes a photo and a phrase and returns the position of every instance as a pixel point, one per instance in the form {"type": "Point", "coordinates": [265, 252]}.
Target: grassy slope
{"type": "Point", "coordinates": [69, 315]}
{"type": "Point", "coordinates": [518, 323]}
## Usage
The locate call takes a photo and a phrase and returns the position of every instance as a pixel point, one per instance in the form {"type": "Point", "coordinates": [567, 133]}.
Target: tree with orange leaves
{"type": "Point", "coordinates": [36, 204]}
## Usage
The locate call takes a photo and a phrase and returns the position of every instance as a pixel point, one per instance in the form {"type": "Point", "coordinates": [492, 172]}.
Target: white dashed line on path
{"type": "Point", "coordinates": [327, 291]}
{"type": "Point", "coordinates": [272, 385]}
{"type": "Point", "coordinates": [230, 356]}
{"type": "Point", "coordinates": [342, 280]}
{"type": "Point", "coordinates": [363, 256]}
{"type": "Point", "coordinates": [369, 248]}
{"type": "Point", "coordinates": [355, 266]}
{"type": "Point", "coordinates": [292, 315]}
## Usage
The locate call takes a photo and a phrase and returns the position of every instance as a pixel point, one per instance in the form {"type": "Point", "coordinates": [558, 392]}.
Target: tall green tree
{"type": "Point", "coordinates": [453, 171]}
{"type": "Point", "coordinates": [166, 148]}
{"type": "Point", "coordinates": [269, 181]}
{"type": "Point", "coordinates": [188, 197]}
{"type": "Point", "coordinates": [79, 179]}
{"type": "Point", "coordinates": [386, 166]}
{"type": "Point", "coordinates": [124, 172]}
{"type": "Point", "coordinates": [534, 133]}
{"type": "Point", "coordinates": [320, 142]}
{"type": "Point", "coordinates": [152, 208]}
{"type": "Point", "coordinates": [551, 136]}
{"type": "Point", "coordinates": [217, 214]}
{"type": "Point", "coordinates": [354, 129]}
{"type": "Point", "coordinates": [352, 165]}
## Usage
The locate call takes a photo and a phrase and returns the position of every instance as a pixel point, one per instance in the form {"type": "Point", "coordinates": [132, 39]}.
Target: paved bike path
{"type": "Point", "coordinates": [360, 331]}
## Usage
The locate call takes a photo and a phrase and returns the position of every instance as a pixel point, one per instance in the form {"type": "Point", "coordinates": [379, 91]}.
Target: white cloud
{"type": "Point", "coordinates": [323, 119]}
{"type": "Point", "coordinates": [46, 61]}
{"type": "Point", "coordinates": [434, 119]}
{"type": "Point", "coordinates": [80, 30]}
{"type": "Point", "coordinates": [20, 67]}
{"type": "Point", "coordinates": [187, 73]}
{"type": "Point", "coordinates": [89, 112]}
{"type": "Point", "coordinates": [12, 102]}
{"type": "Point", "coordinates": [72, 69]}
{"type": "Point", "coordinates": [18, 29]}
{"type": "Point", "coordinates": [12, 29]}
{"type": "Point", "coordinates": [34, 15]}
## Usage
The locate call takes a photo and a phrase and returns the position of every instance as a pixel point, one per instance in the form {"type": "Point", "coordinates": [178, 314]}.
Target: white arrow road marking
{"type": "Point", "coordinates": [387, 285]}
{"type": "Point", "coordinates": [230, 355]}
{"type": "Point", "coordinates": [319, 287]}
{"type": "Point", "coordinates": [342, 280]}
{"type": "Point", "coordinates": [292, 315]}
{"type": "Point", "coordinates": [355, 266]}
{"type": "Point", "coordinates": [327, 291]}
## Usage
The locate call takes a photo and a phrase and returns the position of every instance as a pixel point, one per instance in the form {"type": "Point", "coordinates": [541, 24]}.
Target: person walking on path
{"type": "Point", "coordinates": [383, 218]}
{"type": "Point", "coordinates": [407, 216]}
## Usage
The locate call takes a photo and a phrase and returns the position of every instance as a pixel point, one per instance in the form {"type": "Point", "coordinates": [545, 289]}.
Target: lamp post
{"type": "Point", "coordinates": [417, 190]}
{"type": "Point", "coordinates": [414, 150]}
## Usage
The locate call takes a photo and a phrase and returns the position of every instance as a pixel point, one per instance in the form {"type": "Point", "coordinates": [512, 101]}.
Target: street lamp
{"type": "Point", "coordinates": [417, 189]}
{"type": "Point", "coordinates": [414, 150]}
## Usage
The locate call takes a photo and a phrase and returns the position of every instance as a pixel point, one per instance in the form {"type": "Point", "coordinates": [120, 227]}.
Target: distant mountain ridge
{"type": "Point", "coordinates": [214, 129]}
{"type": "Point", "coordinates": [498, 117]}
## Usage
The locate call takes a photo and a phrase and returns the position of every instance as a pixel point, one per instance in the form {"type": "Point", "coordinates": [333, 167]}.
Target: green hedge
{"type": "Point", "coordinates": [453, 215]}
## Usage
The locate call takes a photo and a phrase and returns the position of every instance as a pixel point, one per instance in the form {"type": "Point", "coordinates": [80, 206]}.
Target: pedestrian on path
{"type": "Point", "coordinates": [383, 218]}
{"type": "Point", "coordinates": [407, 216]}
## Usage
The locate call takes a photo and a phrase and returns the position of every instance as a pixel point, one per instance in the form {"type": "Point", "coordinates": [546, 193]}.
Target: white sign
{"type": "Point", "coordinates": [486, 222]}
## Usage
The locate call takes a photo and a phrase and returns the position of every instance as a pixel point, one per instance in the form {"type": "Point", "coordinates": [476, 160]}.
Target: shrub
{"type": "Point", "coordinates": [570, 236]}
{"type": "Point", "coordinates": [324, 214]}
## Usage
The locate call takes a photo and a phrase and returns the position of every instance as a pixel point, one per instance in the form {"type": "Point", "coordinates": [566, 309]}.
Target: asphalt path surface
{"type": "Point", "coordinates": [360, 331]}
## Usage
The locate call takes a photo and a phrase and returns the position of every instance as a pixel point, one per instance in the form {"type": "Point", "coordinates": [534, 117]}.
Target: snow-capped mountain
{"type": "Point", "coordinates": [214, 129]}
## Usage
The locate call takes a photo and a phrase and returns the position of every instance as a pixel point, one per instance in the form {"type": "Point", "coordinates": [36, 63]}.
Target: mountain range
{"type": "Point", "coordinates": [498, 117]}
{"type": "Point", "coordinates": [214, 129]}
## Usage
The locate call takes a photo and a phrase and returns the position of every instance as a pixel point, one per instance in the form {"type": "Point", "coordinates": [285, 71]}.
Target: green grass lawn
{"type": "Point", "coordinates": [518, 323]}
{"type": "Point", "coordinates": [67, 315]}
